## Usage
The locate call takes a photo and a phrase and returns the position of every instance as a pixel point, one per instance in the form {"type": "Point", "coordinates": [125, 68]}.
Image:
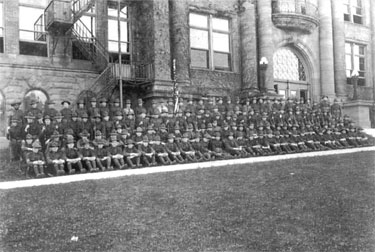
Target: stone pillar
{"type": "Point", "coordinates": [339, 48]}
{"type": "Point", "coordinates": [11, 11]}
{"type": "Point", "coordinates": [178, 11]}
{"type": "Point", "coordinates": [102, 26]}
{"type": "Point", "coordinates": [372, 3]}
{"type": "Point", "coordinates": [248, 38]}
{"type": "Point", "coordinates": [327, 80]}
{"type": "Point", "coordinates": [266, 46]}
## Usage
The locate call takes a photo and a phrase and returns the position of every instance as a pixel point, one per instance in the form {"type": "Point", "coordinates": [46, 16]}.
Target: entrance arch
{"type": "Point", "coordinates": [291, 74]}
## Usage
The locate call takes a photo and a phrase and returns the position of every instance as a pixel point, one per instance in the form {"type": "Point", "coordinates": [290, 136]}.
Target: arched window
{"type": "Point", "coordinates": [35, 94]}
{"type": "Point", "coordinates": [287, 66]}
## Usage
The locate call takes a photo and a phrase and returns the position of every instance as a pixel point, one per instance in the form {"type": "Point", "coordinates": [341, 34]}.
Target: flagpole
{"type": "Point", "coordinates": [175, 88]}
{"type": "Point", "coordinates": [119, 52]}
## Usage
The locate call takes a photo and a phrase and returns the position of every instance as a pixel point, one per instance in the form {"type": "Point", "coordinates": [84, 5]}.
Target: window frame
{"type": "Point", "coordinates": [2, 28]}
{"type": "Point", "coordinates": [126, 20]}
{"type": "Point", "coordinates": [210, 51]}
{"type": "Point", "coordinates": [350, 15]}
{"type": "Point", "coordinates": [353, 56]}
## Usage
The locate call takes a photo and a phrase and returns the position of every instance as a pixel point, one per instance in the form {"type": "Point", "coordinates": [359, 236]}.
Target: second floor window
{"type": "Point", "coordinates": [353, 11]}
{"type": "Point", "coordinates": [210, 42]}
{"type": "Point", "coordinates": [113, 32]}
{"type": "Point", "coordinates": [355, 58]}
{"type": "Point", "coordinates": [1, 28]}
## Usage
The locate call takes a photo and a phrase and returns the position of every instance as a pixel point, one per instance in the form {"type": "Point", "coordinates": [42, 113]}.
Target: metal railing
{"type": "Point", "coordinates": [88, 42]}
{"type": "Point", "coordinates": [81, 6]}
{"type": "Point", "coordinates": [134, 71]}
{"type": "Point", "coordinates": [39, 29]}
{"type": "Point", "coordinates": [52, 15]}
{"type": "Point", "coordinates": [300, 7]}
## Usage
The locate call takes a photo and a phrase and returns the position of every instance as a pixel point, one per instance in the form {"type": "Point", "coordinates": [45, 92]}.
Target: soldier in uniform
{"type": "Point", "coordinates": [173, 150]}
{"type": "Point", "coordinates": [216, 147]}
{"type": "Point", "coordinates": [132, 155]}
{"type": "Point", "coordinates": [115, 149]}
{"type": "Point", "coordinates": [336, 110]}
{"type": "Point", "coordinates": [160, 152]}
{"type": "Point", "coordinates": [17, 113]}
{"type": "Point", "coordinates": [147, 152]}
{"type": "Point", "coordinates": [72, 156]}
{"type": "Point", "coordinates": [187, 151]}
{"type": "Point", "coordinates": [34, 110]}
{"type": "Point", "coordinates": [66, 112]}
{"type": "Point", "coordinates": [48, 110]}
{"type": "Point", "coordinates": [31, 127]}
{"type": "Point", "coordinates": [103, 157]}
{"type": "Point", "coordinates": [231, 146]}
{"type": "Point", "coordinates": [88, 156]}
{"type": "Point", "coordinates": [15, 136]}
{"type": "Point", "coordinates": [80, 108]}
{"type": "Point", "coordinates": [93, 109]}
{"type": "Point", "coordinates": [35, 160]}
{"type": "Point", "coordinates": [55, 159]}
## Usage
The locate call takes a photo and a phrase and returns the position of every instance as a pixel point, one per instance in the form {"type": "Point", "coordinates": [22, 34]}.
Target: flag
{"type": "Point", "coordinates": [176, 93]}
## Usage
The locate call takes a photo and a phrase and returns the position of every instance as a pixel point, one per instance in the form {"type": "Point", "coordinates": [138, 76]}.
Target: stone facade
{"type": "Point", "coordinates": [159, 34]}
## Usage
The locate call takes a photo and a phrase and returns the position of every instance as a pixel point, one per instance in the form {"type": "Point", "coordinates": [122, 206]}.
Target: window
{"type": "Point", "coordinates": [287, 66]}
{"type": "Point", "coordinates": [209, 42]}
{"type": "Point", "coordinates": [113, 32]}
{"type": "Point", "coordinates": [37, 95]}
{"type": "Point", "coordinates": [31, 31]}
{"type": "Point", "coordinates": [353, 11]}
{"type": "Point", "coordinates": [355, 58]}
{"type": "Point", "coordinates": [1, 28]}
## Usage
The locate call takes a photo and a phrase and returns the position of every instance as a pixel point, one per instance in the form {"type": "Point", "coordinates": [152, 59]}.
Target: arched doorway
{"type": "Point", "coordinates": [290, 74]}
{"type": "Point", "coordinates": [37, 95]}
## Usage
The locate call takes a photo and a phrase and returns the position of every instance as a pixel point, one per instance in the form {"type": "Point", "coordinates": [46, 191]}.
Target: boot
{"type": "Point", "coordinates": [55, 169]}
{"type": "Point", "coordinates": [117, 163]}
{"type": "Point", "coordinates": [93, 163]}
{"type": "Point", "coordinates": [122, 163]}
{"type": "Point", "coordinates": [41, 170]}
{"type": "Point", "coordinates": [61, 169]}
{"type": "Point", "coordinates": [130, 163]}
{"type": "Point", "coordinates": [69, 167]}
{"type": "Point", "coordinates": [100, 165]}
{"type": "Point", "coordinates": [88, 165]}
{"type": "Point", "coordinates": [80, 166]}
{"type": "Point", "coordinates": [138, 161]}
{"type": "Point", "coordinates": [145, 161]}
{"type": "Point", "coordinates": [169, 161]}
{"type": "Point", "coordinates": [153, 162]}
{"type": "Point", "coordinates": [108, 164]}
{"type": "Point", "coordinates": [36, 171]}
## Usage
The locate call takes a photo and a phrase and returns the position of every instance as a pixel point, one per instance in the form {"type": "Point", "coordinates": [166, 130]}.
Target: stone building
{"type": "Point", "coordinates": [63, 49]}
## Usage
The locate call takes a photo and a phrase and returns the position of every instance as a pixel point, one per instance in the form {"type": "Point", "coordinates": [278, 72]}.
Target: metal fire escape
{"type": "Point", "coordinates": [62, 19]}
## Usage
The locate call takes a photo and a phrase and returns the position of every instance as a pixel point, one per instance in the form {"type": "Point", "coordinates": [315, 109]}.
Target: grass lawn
{"type": "Point", "coordinates": [310, 204]}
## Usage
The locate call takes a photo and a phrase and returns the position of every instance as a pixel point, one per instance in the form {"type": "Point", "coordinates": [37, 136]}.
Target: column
{"type": "Point", "coordinates": [372, 70]}
{"type": "Point", "coordinates": [266, 47]}
{"type": "Point", "coordinates": [11, 36]}
{"type": "Point", "coordinates": [339, 48]}
{"type": "Point", "coordinates": [180, 38]}
{"type": "Point", "coordinates": [249, 47]}
{"type": "Point", "coordinates": [326, 49]}
{"type": "Point", "coordinates": [102, 25]}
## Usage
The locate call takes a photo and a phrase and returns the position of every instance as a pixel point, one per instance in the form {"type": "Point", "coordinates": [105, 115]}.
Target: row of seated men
{"type": "Point", "coordinates": [67, 154]}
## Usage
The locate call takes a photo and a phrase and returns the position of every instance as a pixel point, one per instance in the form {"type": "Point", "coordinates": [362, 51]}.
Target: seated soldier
{"type": "Point", "coordinates": [362, 137]}
{"type": "Point", "coordinates": [72, 156]}
{"type": "Point", "coordinates": [265, 145]}
{"type": "Point", "coordinates": [255, 144]}
{"type": "Point", "coordinates": [187, 151]}
{"type": "Point", "coordinates": [35, 160]}
{"type": "Point", "coordinates": [173, 150]}
{"type": "Point", "coordinates": [138, 138]}
{"type": "Point", "coordinates": [88, 157]}
{"type": "Point", "coordinates": [217, 147]}
{"type": "Point", "coordinates": [27, 146]}
{"type": "Point", "coordinates": [160, 152]}
{"type": "Point", "coordinates": [274, 141]}
{"type": "Point", "coordinates": [116, 151]}
{"type": "Point", "coordinates": [204, 147]}
{"type": "Point", "coordinates": [196, 145]}
{"type": "Point", "coordinates": [147, 152]}
{"type": "Point", "coordinates": [103, 157]}
{"type": "Point", "coordinates": [242, 143]}
{"type": "Point", "coordinates": [231, 146]}
{"type": "Point", "coordinates": [132, 154]}
{"type": "Point", "coordinates": [55, 159]}
{"type": "Point", "coordinates": [84, 136]}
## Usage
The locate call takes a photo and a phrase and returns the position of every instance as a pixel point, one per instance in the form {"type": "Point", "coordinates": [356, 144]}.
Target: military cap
{"type": "Point", "coordinates": [102, 100]}
{"type": "Point", "coordinates": [100, 142]}
{"type": "Point", "coordinates": [47, 117]}
{"type": "Point", "coordinates": [139, 129]}
{"type": "Point", "coordinates": [36, 144]}
{"type": "Point", "coordinates": [84, 115]}
{"type": "Point", "coordinates": [118, 126]}
{"type": "Point", "coordinates": [145, 139]}
{"type": "Point", "coordinates": [157, 138]}
{"type": "Point", "coordinates": [203, 126]}
{"type": "Point", "coordinates": [14, 120]}
{"type": "Point", "coordinates": [33, 101]}
{"type": "Point", "coordinates": [207, 136]}
{"type": "Point", "coordinates": [15, 103]}
{"type": "Point", "coordinates": [162, 126]}
{"type": "Point", "coordinates": [139, 100]}
{"type": "Point", "coordinates": [143, 111]}
{"type": "Point", "coordinates": [98, 133]}
{"type": "Point", "coordinates": [209, 125]}
{"type": "Point", "coordinates": [177, 127]}
{"type": "Point", "coordinates": [230, 133]}
{"type": "Point", "coordinates": [96, 115]}
{"type": "Point", "coordinates": [58, 115]}
{"type": "Point", "coordinates": [118, 113]}
{"type": "Point", "coordinates": [233, 124]}
{"type": "Point", "coordinates": [29, 136]}
{"type": "Point", "coordinates": [93, 99]}
{"type": "Point", "coordinates": [105, 113]}
{"type": "Point", "coordinates": [124, 132]}
{"type": "Point", "coordinates": [117, 100]}
{"type": "Point", "coordinates": [80, 101]}
{"type": "Point", "coordinates": [55, 134]}
{"type": "Point", "coordinates": [113, 133]}
{"type": "Point", "coordinates": [84, 133]}
{"type": "Point", "coordinates": [69, 131]}
{"type": "Point", "coordinates": [65, 101]}
{"type": "Point", "coordinates": [74, 114]}
{"type": "Point", "coordinates": [190, 126]}
{"type": "Point", "coordinates": [170, 136]}
{"type": "Point", "coordinates": [129, 141]}
{"type": "Point", "coordinates": [54, 144]}
{"type": "Point", "coordinates": [217, 134]}
{"type": "Point", "coordinates": [185, 135]}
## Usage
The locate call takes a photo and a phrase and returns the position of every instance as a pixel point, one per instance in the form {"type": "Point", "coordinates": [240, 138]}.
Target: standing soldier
{"type": "Point", "coordinates": [32, 127]}
{"type": "Point", "coordinates": [140, 108]}
{"type": "Point", "coordinates": [17, 113]}
{"type": "Point", "coordinates": [336, 110]}
{"type": "Point", "coordinates": [15, 135]}
{"type": "Point", "coordinates": [114, 108]}
{"type": "Point", "coordinates": [80, 108]}
{"type": "Point", "coordinates": [48, 110]}
{"type": "Point", "coordinates": [34, 110]}
{"type": "Point", "coordinates": [66, 112]}
{"type": "Point", "coordinates": [93, 107]}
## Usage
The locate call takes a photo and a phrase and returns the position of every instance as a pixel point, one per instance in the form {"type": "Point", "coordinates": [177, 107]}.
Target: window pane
{"type": "Point", "coordinates": [112, 30]}
{"type": "Point", "coordinates": [89, 22]}
{"type": "Point", "coordinates": [361, 64]}
{"type": "Point", "coordinates": [112, 11]}
{"type": "Point", "coordinates": [357, 19]}
{"type": "Point", "coordinates": [199, 58]}
{"type": "Point", "coordinates": [220, 24]}
{"type": "Point", "coordinates": [199, 39]}
{"type": "Point", "coordinates": [356, 63]}
{"type": "Point", "coordinates": [221, 61]}
{"type": "Point", "coordinates": [28, 16]}
{"type": "Point", "coordinates": [198, 20]}
{"type": "Point", "coordinates": [1, 18]}
{"type": "Point", "coordinates": [361, 50]}
{"type": "Point", "coordinates": [359, 3]}
{"type": "Point", "coordinates": [220, 42]}
{"type": "Point", "coordinates": [358, 11]}
{"type": "Point", "coordinates": [356, 49]}
{"type": "Point", "coordinates": [348, 61]}
{"type": "Point", "coordinates": [124, 31]}
{"type": "Point", "coordinates": [348, 73]}
{"type": "Point", "coordinates": [348, 48]}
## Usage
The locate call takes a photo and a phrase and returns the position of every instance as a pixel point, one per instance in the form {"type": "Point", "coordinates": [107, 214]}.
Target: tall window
{"type": "Point", "coordinates": [353, 11]}
{"type": "Point", "coordinates": [209, 42]}
{"type": "Point", "coordinates": [113, 32]}
{"type": "Point", "coordinates": [1, 28]}
{"type": "Point", "coordinates": [287, 66]}
{"type": "Point", "coordinates": [355, 58]}
{"type": "Point", "coordinates": [31, 30]}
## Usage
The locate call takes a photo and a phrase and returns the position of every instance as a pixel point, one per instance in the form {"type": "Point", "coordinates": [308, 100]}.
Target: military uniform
{"type": "Point", "coordinates": [35, 160]}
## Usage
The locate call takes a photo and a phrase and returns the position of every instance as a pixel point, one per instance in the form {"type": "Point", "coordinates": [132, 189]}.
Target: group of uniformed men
{"type": "Point", "coordinates": [99, 136]}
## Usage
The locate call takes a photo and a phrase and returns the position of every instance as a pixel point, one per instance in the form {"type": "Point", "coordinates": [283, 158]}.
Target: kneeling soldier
{"type": "Point", "coordinates": [131, 154]}
{"type": "Point", "coordinates": [35, 160]}
{"type": "Point", "coordinates": [55, 158]}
